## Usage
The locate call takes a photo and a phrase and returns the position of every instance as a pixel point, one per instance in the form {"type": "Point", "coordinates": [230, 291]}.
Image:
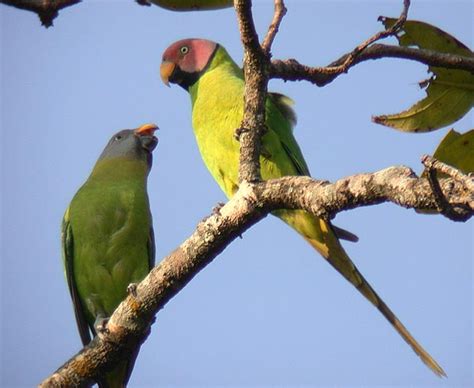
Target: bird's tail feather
{"type": "Point", "coordinates": [116, 378]}
{"type": "Point", "coordinates": [119, 376]}
{"type": "Point", "coordinates": [321, 236]}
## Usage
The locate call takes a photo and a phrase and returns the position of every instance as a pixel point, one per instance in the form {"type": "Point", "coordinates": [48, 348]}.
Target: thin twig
{"type": "Point", "coordinates": [280, 12]}
{"type": "Point", "coordinates": [292, 70]}
{"type": "Point", "coordinates": [342, 68]}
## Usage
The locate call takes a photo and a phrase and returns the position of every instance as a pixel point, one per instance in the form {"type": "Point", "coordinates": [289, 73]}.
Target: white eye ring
{"type": "Point", "coordinates": [184, 50]}
{"type": "Point", "coordinates": [118, 137]}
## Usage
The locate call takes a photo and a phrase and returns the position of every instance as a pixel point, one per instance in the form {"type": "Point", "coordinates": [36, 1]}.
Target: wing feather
{"type": "Point", "coordinates": [67, 241]}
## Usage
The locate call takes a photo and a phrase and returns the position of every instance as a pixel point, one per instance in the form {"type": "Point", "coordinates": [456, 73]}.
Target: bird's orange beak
{"type": "Point", "coordinates": [166, 69]}
{"type": "Point", "coordinates": [146, 130]}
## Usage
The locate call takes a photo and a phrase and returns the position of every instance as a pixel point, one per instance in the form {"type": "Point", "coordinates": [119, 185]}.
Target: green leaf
{"type": "Point", "coordinates": [457, 150]}
{"type": "Point", "coordinates": [450, 92]}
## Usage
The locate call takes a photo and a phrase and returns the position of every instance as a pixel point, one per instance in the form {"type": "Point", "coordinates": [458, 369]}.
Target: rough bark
{"type": "Point", "coordinates": [292, 70]}
{"type": "Point", "coordinates": [256, 64]}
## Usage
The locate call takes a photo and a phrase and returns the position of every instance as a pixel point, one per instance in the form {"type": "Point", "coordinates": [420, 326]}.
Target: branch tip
{"type": "Point", "coordinates": [280, 12]}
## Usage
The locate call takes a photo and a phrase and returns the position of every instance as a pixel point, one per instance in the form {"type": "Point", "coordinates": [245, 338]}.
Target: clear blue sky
{"type": "Point", "coordinates": [268, 311]}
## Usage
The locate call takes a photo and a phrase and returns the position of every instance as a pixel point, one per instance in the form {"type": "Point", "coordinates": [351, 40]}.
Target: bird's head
{"type": "Point", "coordinates": [185, 60]}
{"type": "Point", "coordinates": [136, 144]}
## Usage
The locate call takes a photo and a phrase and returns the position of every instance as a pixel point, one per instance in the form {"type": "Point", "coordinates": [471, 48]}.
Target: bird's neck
{"type": "Point", "coordinates": [120, 169]}
{"type": "Point", "coordinates": [222, 65]}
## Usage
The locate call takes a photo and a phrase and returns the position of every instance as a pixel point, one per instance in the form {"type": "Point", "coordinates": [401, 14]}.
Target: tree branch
{"type": "Point", "coordinates": [47, 10]}
{"type": "Point", "coordinates": [131, 320]}
{"type": "Point", "coordinates": [434, 164]}
{"type": "Point", "coordinates": [280, 12]}
{"type": "Point", "coordinates": [130, 323]}
{"type": "Point", "coordinates": [256, 73]}
{"type": "Point", "coordinates": [351, 57]}
{"type": "Point", "coordinates": [443, 206]}
{"type": "Point", "coordinates": [256, 65]}
{"type": "Point", "coordinates": [398, 185]}
{"type": "Point", "coordinates": [292, 70]}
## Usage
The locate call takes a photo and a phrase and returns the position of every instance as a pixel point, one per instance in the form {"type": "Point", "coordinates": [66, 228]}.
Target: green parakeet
{"type": "Point", "coordinates": [107, 236]}
{"type": "Point", "coordinates": [216, 86]}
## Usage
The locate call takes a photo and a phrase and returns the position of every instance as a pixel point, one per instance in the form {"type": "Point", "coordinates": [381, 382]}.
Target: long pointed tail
{"type": "Point", "coordinates": [321, 236]}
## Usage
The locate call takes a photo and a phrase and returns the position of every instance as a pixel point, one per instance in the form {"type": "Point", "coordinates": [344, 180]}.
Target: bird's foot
{"type": "Point", "coordinates": [101, 326]}
{"type": "Point", "coordinates": [132, 289]}
{"type": "Point", "coordinates": [217, 209]}
{"type": "Point", "coordinates": [238, 132]}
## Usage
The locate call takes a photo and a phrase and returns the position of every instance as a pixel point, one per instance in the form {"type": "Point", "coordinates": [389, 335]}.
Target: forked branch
{"type": "Point", "coordinates": [292, 70]}
{"type": "Point", "coordinates": [351, 57]}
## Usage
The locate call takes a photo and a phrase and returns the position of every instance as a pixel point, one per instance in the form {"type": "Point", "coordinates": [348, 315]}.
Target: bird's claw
{"type": "Point", "coordinates": [101, 326]}
{"type": "Point", "coordinates": [132, 289]}
{"type": "Point", "coordinates": [238, 132]}
{"type": "Point", "coordinates": [217, 209]}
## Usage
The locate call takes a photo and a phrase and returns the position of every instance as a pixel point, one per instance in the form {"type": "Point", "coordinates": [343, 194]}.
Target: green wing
{"type": "Point", "coordinates": [67, 241]}
{"type": "Point", "coordinates": [285, 106]}
{"type": "Point", "coordinates": [281, 118]}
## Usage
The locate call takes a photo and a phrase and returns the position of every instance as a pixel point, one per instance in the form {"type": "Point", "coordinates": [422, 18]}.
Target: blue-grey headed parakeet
{"type": "Point", "coordinates": [107, 236]}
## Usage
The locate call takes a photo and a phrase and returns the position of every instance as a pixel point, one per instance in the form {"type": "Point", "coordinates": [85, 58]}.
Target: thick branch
{"type": "Point", "coordinates": [256, 79]}
{"type": "Point", "coordinates": [47, 10]}
{"type": "Point", "coordinates": [291, 70]}
{"type": "Point", "coordinates": [130, 322]}
{"type": "Point", "coordinates": [398, 185]}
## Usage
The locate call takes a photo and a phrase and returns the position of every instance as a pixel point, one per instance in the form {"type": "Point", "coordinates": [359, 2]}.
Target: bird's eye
{"type": "Point", "coordinates": [184, 50]}
{"type": "Point", "coordinates": [118, 137]}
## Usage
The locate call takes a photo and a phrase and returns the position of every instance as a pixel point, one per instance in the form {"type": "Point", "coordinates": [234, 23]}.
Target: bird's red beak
{"type": "Point", "coordinates": [146, 130]}
{"type": "Point", "coordinates": [166, 69]}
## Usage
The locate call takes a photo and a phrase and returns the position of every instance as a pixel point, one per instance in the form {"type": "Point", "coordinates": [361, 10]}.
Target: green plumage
{"type": "Point", "coordinates": [108, 242]}
{"type": "Point", "coordinates": [217, 95]}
